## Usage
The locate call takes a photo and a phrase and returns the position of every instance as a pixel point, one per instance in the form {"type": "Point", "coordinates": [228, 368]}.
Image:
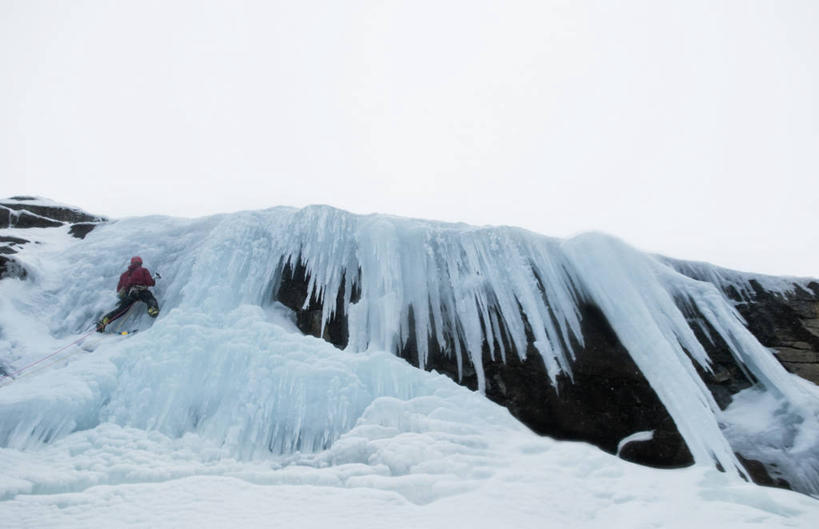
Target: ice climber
{"type": "Point", "coordinates": [132, 287]}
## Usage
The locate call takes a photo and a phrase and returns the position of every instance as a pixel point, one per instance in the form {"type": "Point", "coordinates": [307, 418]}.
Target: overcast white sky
{"type": "Point", "coordinates": [689, 128]}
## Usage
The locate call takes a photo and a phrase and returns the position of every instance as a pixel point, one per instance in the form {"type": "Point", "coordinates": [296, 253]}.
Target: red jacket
{"type": "Point", "coordinates": [135, 275]}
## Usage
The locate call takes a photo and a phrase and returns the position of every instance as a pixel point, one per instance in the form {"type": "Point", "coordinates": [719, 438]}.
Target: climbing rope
{"type": "Point", "coordinates": [8, 378]}
{"type": "Point", "coordinates": [13, 376]}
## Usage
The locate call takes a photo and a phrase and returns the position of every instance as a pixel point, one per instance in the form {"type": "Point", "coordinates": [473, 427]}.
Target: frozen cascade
{"type": "Point", "coordinates": [206, 365]}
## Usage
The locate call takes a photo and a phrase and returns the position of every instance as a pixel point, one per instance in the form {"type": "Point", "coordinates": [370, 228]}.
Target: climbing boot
{"type": "Point", "coordinates": [101, 324]}
{"type": "Point", "coordinates": [153, 312]}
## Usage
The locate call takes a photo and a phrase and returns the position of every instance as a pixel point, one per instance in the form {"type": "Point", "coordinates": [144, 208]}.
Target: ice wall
{"type": "Point", "coordinates": [205, 366]}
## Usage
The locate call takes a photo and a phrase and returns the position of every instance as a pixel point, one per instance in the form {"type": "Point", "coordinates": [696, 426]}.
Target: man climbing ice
{"type": "Point", "coordinates": [132, 287]}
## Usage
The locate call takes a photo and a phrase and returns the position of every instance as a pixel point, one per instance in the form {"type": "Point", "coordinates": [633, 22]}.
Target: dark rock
{"type": "Point", "coordinates": [20, 215]}
{"type": "Point", "coordinates": [23, 219]}
{"type": "Point", "coordinates": [13, 240]}
{"type": "Point", "coordinates": [789, 325]}
{"type": "Point", "coordinates": [761, 476]}
{"type": "Point", "coordinates": [11, 268]}
{"type": "Point", "coordinates": [292, 292]}
{"type": "Point", "coordinates": [778, 321]}
{"type": "Point", "coordinates": [665, 445]}
{"type": "Point", "coordinates": [607, 399]}
{"type": "Point", "coordinates": [82, 229]}
{"type": "Point", "coordinates": [292, 288]}
{"type": "Point", "coordinates": [727, 377]}
{"type": "Point", "coordinates": [56, 213]}
{"type": "Point", "coordinates": [804, 370]}
{"type": "Point", "coordinates": [797, 356]}
{"type": "Point", "coordinates": [309, 322]}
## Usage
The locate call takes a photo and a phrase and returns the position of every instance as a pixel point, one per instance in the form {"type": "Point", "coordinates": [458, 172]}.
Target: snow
{"type": "Point", "coordinates": [768, 429]}
{"type": "Point", "coordinates": [220, 412]}
{"type": "Point", "coordinates": [741, 282]}
{"type": "Point", "coordinates": [37, 201]}
{"type": "Point", "coordinates": [130, 478]}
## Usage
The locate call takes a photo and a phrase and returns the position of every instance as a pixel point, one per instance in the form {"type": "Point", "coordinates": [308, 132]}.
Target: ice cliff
{"type": "Point", "coordinates": [488, 306]}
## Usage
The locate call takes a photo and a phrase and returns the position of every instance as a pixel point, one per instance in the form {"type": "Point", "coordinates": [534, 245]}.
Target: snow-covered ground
{"type": "Point", "coordinates": [220, 413]}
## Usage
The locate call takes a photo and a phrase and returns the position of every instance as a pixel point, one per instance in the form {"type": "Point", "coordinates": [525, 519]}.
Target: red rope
{"type": "Point", "coordinates": [81, 338]}
{"type": "Point", "coordinates": [61, 349]}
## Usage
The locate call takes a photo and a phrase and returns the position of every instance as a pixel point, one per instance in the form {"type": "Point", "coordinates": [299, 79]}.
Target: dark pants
{"type": "Point", "coordinates": [131, 298]}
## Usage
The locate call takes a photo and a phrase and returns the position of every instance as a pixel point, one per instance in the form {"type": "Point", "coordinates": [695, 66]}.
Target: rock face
{"type": "Point", "coordinates": [608, 398]}
{"type": "Point", "coordinates": [785, 322]}
{"type": "Point", "coordinates": [14, 218]}
{"type": "Point", "coordinates": [22, 212]}
{"type": "Point", "coordinates": [81, 229]}
{"type": "Point", "coordinates": [11, 268]}
{"type": "Point", "coordinates": [30, 212]}
{"type": "Point", "coordinates": [790, 325]}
